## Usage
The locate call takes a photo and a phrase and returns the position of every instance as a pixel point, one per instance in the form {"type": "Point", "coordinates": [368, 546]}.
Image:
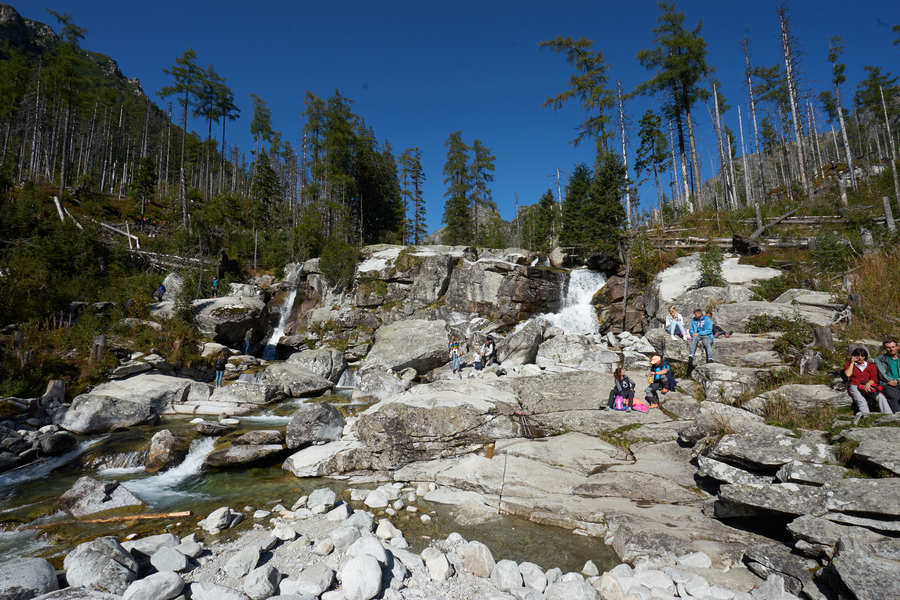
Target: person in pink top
{"type": "Point", "coordinates": [862, 383]}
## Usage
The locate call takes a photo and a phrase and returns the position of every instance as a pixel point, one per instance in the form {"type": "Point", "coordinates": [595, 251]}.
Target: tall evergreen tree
{"type": "Point", "coordinates": [573, 230]}
{"type": "Point", "coordinates": [261, 125]}
{"type": "Point", "coordinates": [652, 152]}
{"type": "Point", "coordinates": [835, 49]}
{"type": "Point", "coordinates": [226, 110]}
{"type": "Point", "coordinates": [481, 174]}
{"type": "Point", "coordinates": [411, 164]}
{"type": "Point", "coordinates": [604, 215]}
{"type": "Point", "coordinates": [459, 187]}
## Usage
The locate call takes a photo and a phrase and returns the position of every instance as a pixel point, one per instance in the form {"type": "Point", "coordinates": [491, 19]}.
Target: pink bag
{"type": "Point", "coordinates": [639, 406]}
{"type": "Point", "coordinates": [619, 403]}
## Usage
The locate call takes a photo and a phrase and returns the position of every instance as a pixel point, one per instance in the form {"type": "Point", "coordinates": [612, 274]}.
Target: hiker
{"type": "Point", "coordinates": [488, 353]}
{"type": "Point", "coordinates": [215, 287]}
{"type": "Point", "coordinates": [862, 384]}
{"type": "Point", "coordinates": [623, 387]}
{"type": "Point", "coordinates": [248, 338]}
{"type": "Point", "coordinates": [221, 361]}
{"type": "Point", "coordinates": [717, 331]}
{"type": "Point", "coordinates": [160, 292]}
{"type": "Point", "coordinates": [661, 380]}
{"type": "Point", "coordinates": [675, 323]}
{"type": "Point", "coordinates": [701, 330]}
{"type": "Point", "coordinates": [889, 373]}
{"type": "Point", "coordinates": [454, 356]}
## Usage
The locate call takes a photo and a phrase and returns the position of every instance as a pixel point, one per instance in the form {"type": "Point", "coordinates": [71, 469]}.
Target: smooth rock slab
{"type": "Point", "coordinates": [800, 397]}
{"type": "Point", "coordinates": [235, 455]}
{"type": "Point", "coordinates": [360, 578]}
{"type": "Point", "coordinates": [767, 453]}
{"type": "Point", "coordinates": [714, 469]}
{"type": "Point", "coordinates": [158, 586]}
{"type": "Point", "coordinates": [24, 578]}
{"type": "Point", "coordinates": [101, 564]}
{"type": "Point", "coordinates": [745, 499]}
{"type": "Point", "coordinates": [874, 497]}
{"type": "Point", "coordinates": [89, 495]}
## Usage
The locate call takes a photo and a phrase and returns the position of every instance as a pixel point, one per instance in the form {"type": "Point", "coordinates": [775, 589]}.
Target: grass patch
{"type": "Point", "coordinates": [373, 287]}
{"type": "Point", "coordinates": [781, 413]}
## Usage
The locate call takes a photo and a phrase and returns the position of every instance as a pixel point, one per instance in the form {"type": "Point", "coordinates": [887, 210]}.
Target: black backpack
{"type": "Point", "coordinates": [671, 384]}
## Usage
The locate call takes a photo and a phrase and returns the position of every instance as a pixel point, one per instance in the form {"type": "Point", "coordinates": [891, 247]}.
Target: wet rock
{"type": "Point", "coordinates": [415, 344]}
{"type": "Point", "coordinates": [360, 578]}
{"type": "Point", "coordinates": [521, 347]}
{"type": "Point", "coordinates": [261, 582]}
{"type": "Point", "coordinates": [165, 451]}
{"type": "Point", "coordinates": [295, 381]}
{"type": "Point", "coordinates": [314, 422]}
{"type": "Point", "coordinates": [327, 363]}
{"type": "Point", "coordinates": [212, 429]}
{"type": "Point", "coordinates": [158, 586]}
{"type": "Point", "coordinates": [800, 397]}
{"type": "Point", "coordinates": [89, 495]}
{"type": "Point", "coordinates": [56, 444]}
{"type": "Point", "coordinates": [101, 564]}
{"type": "Point", "coordinates": [235, 455]}
{"type": "Point", "coordinates": [260, 437]}
{"type": "Point", "coordinates": [745, 499]}
{"type": "Point", "coordinates": [477, 559]}
{"type": "Point", "coordinates": [25, 578]}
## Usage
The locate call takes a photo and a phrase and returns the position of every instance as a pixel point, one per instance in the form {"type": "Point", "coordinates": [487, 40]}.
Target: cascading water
{"type": "Point", "coordinates": [348, 378]}
{"type": "Point", "coordinates": [577, 313]}
{"type": "Point", "coordinates": [158, 489]}
{"type": "Point", "coordinates": [270, 352]}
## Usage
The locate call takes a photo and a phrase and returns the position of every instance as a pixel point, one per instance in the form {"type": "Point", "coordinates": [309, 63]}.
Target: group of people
{"type": "Point", "coordinates": [484, 357]}
{"type": "Point", "coordinates": [876, 382]}
{"type": "Point", "coordinates": [701, 330]}
{"type": "Point", "coordinates": [661, 380]}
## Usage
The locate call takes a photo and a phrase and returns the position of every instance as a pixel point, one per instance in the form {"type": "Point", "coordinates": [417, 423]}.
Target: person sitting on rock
{"type": "Point", "coordinates": [624, 387]}
{"type": "Point", "coordinates": [717, 331]}
{"type": "Point", "coordinates": [862, 384]}
{"type": "Point", "coordinates": [454, 356]}
{"type": "Point", "coordinates": [660, 377]}
{"type": "Point", "coordinates": [675, 324]}
{"type": "Point", "coordinates": [889, 372]}
{"type": "Point", "coordinates": [701, 330]}
{"type": "Point", "coordinates": [488, 352]}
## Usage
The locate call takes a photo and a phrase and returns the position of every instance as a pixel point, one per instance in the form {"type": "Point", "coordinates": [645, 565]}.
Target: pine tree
{"type": "Point", "coordinates": [459, 187]}
{"type": "Point", "coordinates": [185, 74]}
{"type": "Point", "coordinates": [261, 125]}
{"type": "Point", "coordinates": [653, 151]}
{"type": "Point", "coordinates": [573, 230]}
{"type": "Point", "coordinates": [226, 110]}
{"type": "Point", "coordinates": [144, 182]}
{"type": "Point", "coordinates": [835, 49]}
{"type": "Point", "coordinates": [411, 164]}
{"type": "Point", "coordinates": [588, 85]}
{"type": "Point", "coordinates": [679, 60]}
{"type": "Point", "coordinates": [604, 216]}
{"type": "Point", "coordinates": [481, 174]}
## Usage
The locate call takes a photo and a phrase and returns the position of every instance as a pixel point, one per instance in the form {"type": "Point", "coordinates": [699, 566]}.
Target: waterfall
{"type": "Point", "coordinates": [159, 488]}
{"type": "Point", "coordinates": [270, 352]}
{"type": "Point", "coordinates": [348, 378]}
{"type": "Point", "coordinates": [577, 315]}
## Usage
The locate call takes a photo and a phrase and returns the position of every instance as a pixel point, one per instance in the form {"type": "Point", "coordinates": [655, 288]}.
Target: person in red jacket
{"type": "Point", "coordinates": [862, 383]}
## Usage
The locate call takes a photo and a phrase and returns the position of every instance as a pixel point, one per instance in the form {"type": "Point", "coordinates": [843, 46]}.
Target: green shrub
{"type": "Point", "coordinates": [832, 254]}
{"type": "Point", "coordinates": [711, 267]}
{"type": "Point", "coordinates": [338, 263]}
{"type": "Point", "coordinates": [772, 288]}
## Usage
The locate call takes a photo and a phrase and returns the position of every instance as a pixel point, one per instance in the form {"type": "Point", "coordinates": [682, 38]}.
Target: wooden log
{"type": "Point", "coordinates": [169, 515]}
{"type": "Point", "coordinates": [888, 214]}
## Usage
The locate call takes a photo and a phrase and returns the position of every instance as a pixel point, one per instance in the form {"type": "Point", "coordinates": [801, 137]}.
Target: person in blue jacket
{"type": "Point", "coordinates": [701, 330]}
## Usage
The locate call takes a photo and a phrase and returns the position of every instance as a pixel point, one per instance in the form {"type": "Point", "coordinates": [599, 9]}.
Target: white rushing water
{"type": "Point", "coordinates": [348, 378]}
{"type": "Point", "coordinates": [43, 468]}
{"type": "Point", "coordinates": [157, 488]}
{"type": "Point", "coordinates": [577, 315]}
{"type": "Point", "coordinates": [270, 351]}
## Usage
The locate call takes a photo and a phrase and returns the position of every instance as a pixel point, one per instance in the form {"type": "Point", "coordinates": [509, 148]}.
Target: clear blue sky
{"type": "Point", "coordinates": [419, 70]}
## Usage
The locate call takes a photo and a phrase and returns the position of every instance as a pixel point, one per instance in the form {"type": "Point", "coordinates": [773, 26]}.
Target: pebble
{"type": "Point", "coordinates": [426, 518]}
{"type": "Point", "coordinates": [261, 514]}
{"type": "Point", "coordinates": [590, 569]}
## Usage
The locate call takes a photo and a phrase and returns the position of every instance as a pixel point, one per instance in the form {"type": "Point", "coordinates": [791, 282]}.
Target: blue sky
{"type": "Point", "coordinates": [419, 70]}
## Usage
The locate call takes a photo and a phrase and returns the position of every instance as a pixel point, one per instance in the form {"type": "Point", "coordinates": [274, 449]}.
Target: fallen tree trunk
{"type": "Point", "coordinates": [169, 515]}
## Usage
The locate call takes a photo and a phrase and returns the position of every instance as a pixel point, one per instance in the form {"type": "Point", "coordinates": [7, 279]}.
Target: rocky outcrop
{"type": "Point", "coordinates": [521, 347]}
{"type": "Point", "coordinates": [293, 380]}
{"type": "Point", "coordinates": [503, 290]}
{"type": "Point", "coordinates": [377, 382]}
{"type": "Point", "coordinates": [414, 344]}
{"type": "Point", "coordinates": [227, 319]}
{"type": "Point", "coordinates": [327, 363]}
{"type": "Point", "coordinates": [314, 423]}
{"type": "Point", "coordinates": [165, 451]}
{"type": "Point", "coordinates": [705, 298]}
{"type": "Point", "coordinates": [723, 383]}
{"type": "Point", "coordinates": [735, 316]}
{"type": "Point", "coordinates": [577, 352]}
{"type": "Point", "coordinates": [88, 496]}
{"type": "Point", "coordinates": [799, 397]}
{"type": "Point", "coordinates": [728, 350]}
{"type": "Point", "coordinates": [244, 454]}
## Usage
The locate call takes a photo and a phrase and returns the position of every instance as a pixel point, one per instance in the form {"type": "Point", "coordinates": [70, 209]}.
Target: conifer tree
{"type": "Point", "coordinates": [459, 188]}
{"type": "Point", "coordinates": [481, 174]}
{"type": "Point", "coordinates": [835, 49]}
{"type": "Point", "coordinates": [573, 230]}
{"type": "Point", "coordinates": [652, 152]}
{"type": "Point", "coordinates": [411, 163]}
{"type": "Point", "coordinates": [226, 110]}
{"type": "Point", "coordinates": [261, 125]}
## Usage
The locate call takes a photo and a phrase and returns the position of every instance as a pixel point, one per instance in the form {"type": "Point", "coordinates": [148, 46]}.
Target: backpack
{"type": "Point", "coordinates": [671, 384]}
{"type": "Point", "coordinates": [619, 403]}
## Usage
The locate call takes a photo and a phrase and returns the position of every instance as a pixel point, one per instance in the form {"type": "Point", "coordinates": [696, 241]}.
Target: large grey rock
{"type": "Point", "coordinates": [313, 580]}
{"type": "Point", "coordinates": [376, 382]}
{"type": "Point", "coordinates": [236, 455]}
{"type": "Point", "coordinates": [241, 393]}
{"type": "Point", "coordinates": [704, 298]}
{"type": "Point", "coordinates": [506, 575]}
{"type": "Point", "coordinates": [810, 473]}
{"type": "Point", "coordinates": [369, 545]}
{"type": "Point", "coordinates": [206, 590]}
{"type": "Point", "coordinates": [715, 418]}
{"type": "Point", "coordinates": [439, 568]}
{"type": "Point", "coordinates": [727, 350]}
{"type": "Point", "coordinates": [747, 499]}
{"type": "Point", "coordinates": [360, 578]}
{"type": "Point", "coordinates": [101, 564]}
{"type": "Point", "coordinates": [735, 316]}
{"type": "Point", "coordinates": [169, 559]}
{"type": "Point", "coordinates": [578, 352]}
{"type": "Point", "coordinates": [227, 318]}
{"type": "Point", "coordinates": [145, 547]}
{"type": "Point", "coordinates": [502, 289]}
{"type": "Point", "coordinates": [808, 298]}
{"type": "Point", "coordinates": [767, 453]}
{"type": "Point", "coordinates": [89, 495]}
{"type": "Point", "coordinates": [25, 578]}
{"type": "Point", "coordinates": [533, 577]}
{"type": "Point", "coordinates": [766, 559]}
{"type": "Point", "coordinates": [243, 561]}
{"type": "Point", "coordinates": [261, 582]}
{"type": "Point", "coordinates": [321, 497]}
{"type": "Point", "coordinates": [870, 571]}
{"type": "Point", "coordinates": [314, 422]}
{"type": "Point", "coordinates": [327, 363]}
{"type": "Point", "coordinates": [825, 533]}
{"type": "Point", "coordinates": [165, 451]}
{"type": "Point", "coordinates": [334, 457]}
{"type": "Point", "coordinates": [877, 446]}
{"type": "Point", "coordinates": [521, 347]}
{"type": "Point", "coordinates": [799, 397]}
{"type": "Point", "coordinates": [158, 586]}
{"type": "Point", "coordinates": [723, 383]}
{"type": "Point", "coordinates": [295, 381]}
{"type": "Point", "coordinates": [260, 437]}
{"type": "Point", "coordinates": [714, 469]}
{"type": "Point", "coordinates": [570, 590]}
{"type": "Point", "coordinates": [415, 344]}
{"type": "Point", "coordinates": [477, 559]}
{"type": "Point", "coordinates": [120, 404]}
{"type": "Point", "coordinates": [866, 497]}
{"type": "Point", "coordinates": [221, 518]}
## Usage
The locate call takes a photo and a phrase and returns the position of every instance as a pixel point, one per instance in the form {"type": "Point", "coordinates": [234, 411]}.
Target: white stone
{"type": "Point", "coordinates": [477, 559]}
{"type": "Point", "coordinates": [242, 562]}
{"type": "Point", "coordinates": [323, 547]}
{"type": "Point", "coordinates": [376, 499]}
{"type": "Point", "coordinates": [436, 562]}
{"type": "Point", "coordinates": [695, 559]}
{"type": "Point", "coordinates": [368, 545]}
{"type": "Point", "coordinates": [284, 533]}
{"type": "Point", "coordinates": [386, 530]}
{"type": "Point", "coordinates": [168, 559]}
{"type": "Point", "coordinates": [360, 578]}
{"type": "Point", "coordinates": [261, 582]}
{"type": "Point", "coordinates": [590, 569]}
{"type": "Point", "coordinates": [339, 513]}
{"type": "Point", "coordinates": [533, 576]}
{"type": "Point", "coordinates": [158, 586]}
{"type": "Point", "coordinates": [506, 575]}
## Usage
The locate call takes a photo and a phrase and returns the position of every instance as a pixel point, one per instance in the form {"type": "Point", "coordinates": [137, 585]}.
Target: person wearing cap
{"type": "Point", "coordinates": [659, 376]}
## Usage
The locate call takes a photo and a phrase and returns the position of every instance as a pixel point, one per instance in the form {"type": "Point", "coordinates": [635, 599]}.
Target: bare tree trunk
{"type": "Point", "coordinates": [748, 198]}
{"type": "Point", "coordinates": [815, 134]}
{"type": "Point", "coordinates": [848, 153]}
{"type": "Point", "coordinates": [624, 154]}
{"type": "Point", "coordinates": [695, 164]}
{"type": "Point", "coordinates": [837, 151]}
{"type": "Point", "coordinates": [887, 123]}
{"type": "Point", "coordinates": [723, 172]}
{"type": "Point", "coordinates": [675, 193]}
{"type": "Point", "coordinates": [62, 163]}
{"type": "Point", "coordinates": [688, 201]}
{"type": "Point", "coordinates": [812, 148]}
{"type": "Point", "coordinates": [792, 97]}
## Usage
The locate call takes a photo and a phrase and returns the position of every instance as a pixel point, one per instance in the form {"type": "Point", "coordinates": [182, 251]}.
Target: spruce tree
{"type": "Point", "coordinates": [604, 217]}
{"type": "Point", "coordinates": [459, 187]}
{"type": "Point", "coordinates": [573, 231]}
{"type": "Point", "coordinates": [414, 177]}
{"type": "Point", "coordinates": [481, 174]}
{"type": "Point", "coordinates": [652, 152]}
